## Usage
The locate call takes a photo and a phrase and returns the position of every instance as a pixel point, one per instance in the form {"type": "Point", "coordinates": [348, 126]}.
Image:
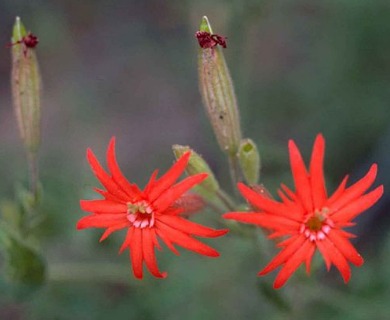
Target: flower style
{"type": "Point", "coordinates": [147, 214]}
{"type": "Point", "coordinates": [308, 219]}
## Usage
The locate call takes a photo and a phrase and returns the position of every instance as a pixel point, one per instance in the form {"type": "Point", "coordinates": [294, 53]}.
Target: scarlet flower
{"type": "Point", "coordinates": [147, 214]}
{"type": "Point", "coordinates": [308, 219]}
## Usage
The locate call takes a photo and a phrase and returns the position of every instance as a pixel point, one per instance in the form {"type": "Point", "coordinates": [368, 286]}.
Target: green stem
{"type": "Point", "coordinates": [230, 205]}
{"type": "Point", "coordinates": [33, 172]}
{"type": "Point", "coordinates": [215, 207]}
{"type": "Point", "coordinates": [234, 170]}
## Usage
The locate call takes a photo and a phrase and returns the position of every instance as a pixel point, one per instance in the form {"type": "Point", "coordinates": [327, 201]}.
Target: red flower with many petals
{"type": "Point", "coordinates": [147, 214]}
{"type": "Point", "coordinates": [308, 218]}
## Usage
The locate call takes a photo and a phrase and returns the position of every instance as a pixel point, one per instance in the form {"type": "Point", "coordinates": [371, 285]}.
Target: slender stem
{"type": "Point", "coordinates": [234, 170]}
{"type": "Point", "coordinates": [226, 199]}
{"type": "Point", "coordinates": [214, 207]}
{"type": "Point", "coordinates": [90, 272]}
{"type": "Point", "coordinates": [33, 172]}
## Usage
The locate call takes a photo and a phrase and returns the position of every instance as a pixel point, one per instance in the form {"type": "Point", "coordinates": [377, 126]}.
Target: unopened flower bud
{"type": "Point", "coordinates": [261, 190]}
{"type": "Point", "coordinates": [217, 89]}
{"type": "Point", "coordinates": [196, 165]}
{"type": "Point", "coordinates": [191, 203]}
{"type": "Point", "coordinates": [26, 85]}
{"type": "Point", "coordinates": [249, 160]}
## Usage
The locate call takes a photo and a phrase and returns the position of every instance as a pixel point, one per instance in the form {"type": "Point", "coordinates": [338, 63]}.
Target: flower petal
{"type": "Point", "coordinates": [309, 257]}
{"type": "Point", "coordinates": [130, 189]}
{"type": "Point", "coordinates": [169, 178]}
{"type": "Point", "coordinates": [152, 180]}
{"type": "Point", "coordinates": [289, 193]}
{"type": "Point", "coordinates": [167, 241]}
{"type": "Point", "coordinates": [112, 229]}
{"type": "Point", "coordinates": [149, 254]}
{"type": "Point", "coordinates": [300, 175]}
{"type": "Point", "coordinates": [169, 196]}
{"type": "Point", "coordinates": [335, 257]}
{"type": "Point", "coordinates": [276, 234]}
{"type": "Point", "coordinates": [317, 180]}
{"type": "Point", "coordinates": [191, 227]}
{"type": "Point", "coordinates": [182, 239]}
{"type": "Point", "coordinates": [284, 254]}
{"type": "Point", "coordinates": [107, 195]}
{"type": "Point", "coordinates": [325, 254]}
{"type": "Point", "coordinates": [154, 238]}
{"type": "Point", "coordinates": [100, 221]}
{"type": "Point", "coordinates": [126, 242]}
{"type": "Point", "coordinates": [285, 199]}
{"type": "Point", "coordinates": [288, 241]}
{"type": "Point", "coordinates": [104, 178]}
{"type": "Point", "coordinates": [354, 208]}
{"type": "Point", "coordinates": [293, 263]}
{"type": "Point", "coordinates": [103, 206]}
{"type": "Point", "coordinates": [356, 190]}
{"type": "Point", "coordinates": [268, 205]}
{"type": "Point", "coordinates": [264, 220]}
{"type": "Point", "coordinates": [136, 252]}
{"type": "Point", "coordinates": [338, 192]}
{"type": "Point", "coordinates": [345, 247]}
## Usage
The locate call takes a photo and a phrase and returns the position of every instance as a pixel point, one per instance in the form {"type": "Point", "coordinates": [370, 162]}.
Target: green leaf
{"type": "Point", "coordinates": [23, 264]}
{"type": "Point", "coordinates": [11, 214]}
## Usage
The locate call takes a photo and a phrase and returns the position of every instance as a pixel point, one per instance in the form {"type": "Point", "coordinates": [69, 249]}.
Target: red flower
{"type": "Point", "coordinates": [308, 219]}
{"type": "Point", "coordinates": [147, 214]}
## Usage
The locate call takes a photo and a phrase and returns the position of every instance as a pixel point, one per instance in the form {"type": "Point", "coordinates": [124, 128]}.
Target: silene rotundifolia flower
{"type": "Point", "coordinates": [148, 215]}
{"type": "Point", "coordinates": [309, 219]}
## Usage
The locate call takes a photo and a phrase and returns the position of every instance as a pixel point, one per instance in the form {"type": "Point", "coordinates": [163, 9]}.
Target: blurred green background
{"type": "Point", "coordinates": [129, 69]}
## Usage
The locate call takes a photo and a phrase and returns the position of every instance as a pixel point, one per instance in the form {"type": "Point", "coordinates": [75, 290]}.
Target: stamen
{"type": "Point", "coordinates": [140, 214]}
{"type": "Point", "coordinates": [314, 224]}
{"type": "Point", "coordinates": [317, 225]}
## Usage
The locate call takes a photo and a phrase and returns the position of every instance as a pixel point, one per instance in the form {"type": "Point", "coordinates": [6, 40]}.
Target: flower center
{"type": "Point", "coordinates": [314, 224]}
{"type": "Point", "coordinates": [317, 225]}
{"type": "Point", "coordinates": [140, 214]}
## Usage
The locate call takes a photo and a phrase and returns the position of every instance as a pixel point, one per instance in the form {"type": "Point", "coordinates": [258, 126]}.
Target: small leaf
{"type": "Point", "coordinates": [11, 214]}
{"type": "Point", "coordinates": [23, 264]}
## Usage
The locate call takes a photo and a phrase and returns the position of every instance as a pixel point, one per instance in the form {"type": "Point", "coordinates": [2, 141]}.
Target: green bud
{"type": "Point", "coordinates": [217, 90]}
{"type": "Point", "coordinates": [249, 159]}
{"type": "Point", "coordinates": [197, 164]}
{"type": "Point", "coordinates": [26, 86]}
